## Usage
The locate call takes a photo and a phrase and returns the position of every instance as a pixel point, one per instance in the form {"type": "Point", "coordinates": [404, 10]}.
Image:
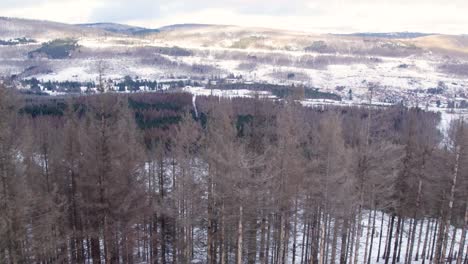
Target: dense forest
{"type": "Point", "coordinates": [161, 178]}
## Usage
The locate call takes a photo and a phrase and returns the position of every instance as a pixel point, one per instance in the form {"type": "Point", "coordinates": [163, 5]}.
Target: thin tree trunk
{"type": "Point", "coordinates": [322, 229]}
{"type": "Point", "coordinates": [305, 232]}
{"type": "Point", "coordinates": [427, 241]}
{"type": "Point", "coordinates": [334, 241]}
{"type": "Point", "coordinates": [397, 236]}
{"type": "Point", "coordinates": [281, 242]}
{"type": "Point", "coordinates": [344, 239]}
{"type": "Point", "coordinates": [402, 231]}
{"type": "Point", "coordinates": [263, 231]}
{"type": "Point", "coordinates": [327, 240]}
{"type": "Point", "coordinates": [294, 233]}
{"type": "Point", "coordinates": [450, 205]}
{"type": "Point", "coordinates": [352, 240]}
{"type": "Point", "coordinates": [434, 240]}
{"type": "Point", "coordinates": [366, 247]}
{"type": "Point", "coordinates": [419, 240]}
{"type": "Point", "coordinates": [418, 204]}
{"type": "Point", "coordinates": [372, 238]}
{"type": "Point", "coordinates": [389, 242]}
{"type": "Point", "coordinates": [358, 231]}
{"type": "Point", "coordinates": [452, 245]}
{"type": "Point", "coordinates": [315, 236]}
{"type": "Point", "coordinates": [380, 236]}
{"type": "Point", "coordinates": [463, 237]}
{"type": "Point", "coordinates": [387, 238]}
{"type": "Point", "coordinates": [210, 231]}
{"type": "Point", "coordinates": [240, 236]}
{"type": "Point", "coordinates": [411, 238]}
{"type": "Point", "coordinates": [441, 238]}
{"type": "Point", "coordinates": [252, 241]}
{"type": "Point", "coordinates": [267, 248]}
{"type": "Point", "coordinates": [222, 257]}
{"type": "Point", "coordinates": [286, 239]}
{"type": "Point", "coordinates": [95, 250]}
{"type": "Point", "coordinates": [307, 245]}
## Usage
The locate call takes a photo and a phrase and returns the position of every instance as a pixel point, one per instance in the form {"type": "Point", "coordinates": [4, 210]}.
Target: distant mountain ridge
{"type": "Point", "coordinates": [184, 26]}
{"type": "Point", "coordinates": [389, 35]}
{"type": "Point", "coordinates": [231, 36]}
{"type": "Point", "coordinates": [120, 28]}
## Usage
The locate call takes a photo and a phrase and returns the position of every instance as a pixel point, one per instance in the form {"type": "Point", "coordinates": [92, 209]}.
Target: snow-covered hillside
{"type": "Point", "coordinates": [419, 69]}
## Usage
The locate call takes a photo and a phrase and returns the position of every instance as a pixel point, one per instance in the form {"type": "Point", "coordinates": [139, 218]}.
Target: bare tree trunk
{"type": "Point", "coordinates": [162, 217]}
{"type": "Point", "coordinates": [426, 240]}
{"type": "Point", "coordinates": [268, 239]}
{"type": "Point", "coordinates": [434, 240]}
{"type": "Point", "coordinates": [419, 240]}
{"type": "Point", "coordinates": [352, 240]}
{"type": "Point", "coordinates": [286, 239]}
{"type": "Point", "coordinates": [322, 229]}
{"type": "Point", "coordinates": [418, 204]}
{"type": "Point", "coordinates": [95, 250]}
{"type": "Point", "coordinates": [463, 237]}
{"type": "Point", "coordinates": [452, 245]}
{"type": "Point", "coordinates": [380, 236]}
{"type": "Point", "coordinates": [223, 249]}
{"type": "Point", "coordinates": [358, 231]}
{"type": "Point", "coordinates": [263, 231]}
{"type": "Point", "coordinates": [372, 238]}
{"type": "Point", "coordinates": [314, 251]}
{"type": "Point", "coordinates": [240, 236]}
{"type": "Point", "coordinates": [252, 241]}
{"type": "Point", "coordinates": [294, 233]}
{"type": "Point", "coordinates": [397, 236]}
{"type": "Point", "coordinates": [389, 242]}
{"type": "Point", "coordinates": [334, 240]}
{"type": "Point", "coordinates": [275, 247]}
{"type": "Point", "coordinates": [440, 242]}
{"type": "Point", "coordinates": [344, 239]}
{"type": "Point", "coordinates": [450, 205]}
{"type": "Point", "coordinates": [305, 232]}
{"type": "Point", "coordinates": [402, 231]}
{"type": "Point", "coordinates": [281, 240]}
{"type": "Point", "coordinates": [387, 239]}
{"type": "Point", "coordinates": [366, 247]}
{"type": "Point", "coordinates": [210, 231]}
{"type": "Point", "coordinates": [327, 240]}
{"type": "Point", "coordinates": [411, 240]}
{"type": "Point", "coordinates": [191, 234]}
{"type": "Point", "coordinates": [306, 255]}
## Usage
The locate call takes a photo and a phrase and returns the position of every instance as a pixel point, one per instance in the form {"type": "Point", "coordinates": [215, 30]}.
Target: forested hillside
{"type": "Point", "coordinates": [162, 178]}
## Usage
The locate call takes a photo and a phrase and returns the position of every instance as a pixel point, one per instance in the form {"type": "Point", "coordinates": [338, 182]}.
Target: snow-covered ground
{"type": "Point", "coordinates": [397, 78]}
{"type": "Point", "coordinates": [381, 223]}
{"type": "Point", "coordinates": [402, 73]}
{"type": "Point", "coordinates": [227, 93]}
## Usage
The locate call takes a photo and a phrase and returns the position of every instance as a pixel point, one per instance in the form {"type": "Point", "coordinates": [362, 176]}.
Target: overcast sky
{"type": "Point", "coordinates": [333, 16]}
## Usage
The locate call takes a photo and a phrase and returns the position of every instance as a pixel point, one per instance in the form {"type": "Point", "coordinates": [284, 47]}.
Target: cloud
{"type": "Point", "coordinates": [118, 11]}
{"type": "Point", "coordinates": [323, 15]}
{"type": "Point", "coordinates": [150, 9]}
{"type": "Point", "coordinates": [68, 11]}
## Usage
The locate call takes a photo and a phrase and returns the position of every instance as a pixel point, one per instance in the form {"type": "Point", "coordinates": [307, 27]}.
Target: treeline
{"type": "Point", "coordinates": [126, 84]}
{"type": "Point", "coordinates": [227, 181]}
{"type": "Point", "coordinates": [16, 41]}
{"type": "Point", "coordinates": [62, 86]}
{"type": "Point", "coordinates": [56, 49]}
{"type": "Point", "coordinates": [280, 91]}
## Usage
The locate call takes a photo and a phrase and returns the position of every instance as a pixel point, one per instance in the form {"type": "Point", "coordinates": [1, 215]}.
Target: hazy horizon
{"type": "Point", "coordinates": [334, 16]}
